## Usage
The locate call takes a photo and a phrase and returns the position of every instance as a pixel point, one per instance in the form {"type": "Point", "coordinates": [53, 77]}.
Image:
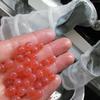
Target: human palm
{"type": "Point", "coordinates": [52, 48]}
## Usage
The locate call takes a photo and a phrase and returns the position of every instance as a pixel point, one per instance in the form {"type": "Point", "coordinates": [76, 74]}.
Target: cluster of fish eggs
{"type": "Point", "coordinates": [24, 76]}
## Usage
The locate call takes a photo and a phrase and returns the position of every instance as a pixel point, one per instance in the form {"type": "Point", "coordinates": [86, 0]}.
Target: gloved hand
{"type": "Point", "coordinates": [58, 48]}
